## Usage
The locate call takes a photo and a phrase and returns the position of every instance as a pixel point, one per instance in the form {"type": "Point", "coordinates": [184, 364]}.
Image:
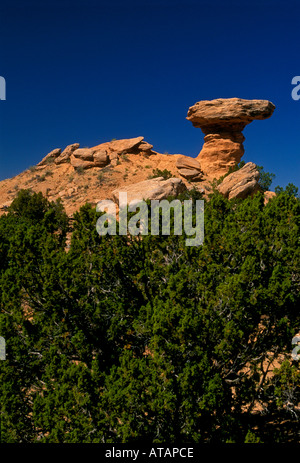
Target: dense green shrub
{"type": "Point", "coordinates": [161, 173]}
{"type": "Point", "coordinates": [121, 338]}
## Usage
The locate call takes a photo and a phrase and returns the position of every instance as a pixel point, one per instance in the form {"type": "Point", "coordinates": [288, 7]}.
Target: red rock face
{"type": "Point", "coordinates": [222, 122]}
{"type": "Point", "coordinates": [220, 152]}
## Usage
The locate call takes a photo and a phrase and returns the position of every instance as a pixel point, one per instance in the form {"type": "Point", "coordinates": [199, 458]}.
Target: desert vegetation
{"type": "Point", "coordinates": [123, 339]}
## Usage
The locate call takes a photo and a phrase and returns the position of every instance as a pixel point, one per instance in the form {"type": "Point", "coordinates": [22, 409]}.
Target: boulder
{"type": "Point", "coordinates": [222, 122]}
{"type": "Point", "coordinates": [123, 146]}
{"type": "Point", "coordinates": [268, 195]}
{"type": "Point", "coordinates": [189, 168]}
{"type": "Point", "coordinates": [66, 154]}
{"type": "Point", "coordinates": [116, 148]}
{"type": "Point", "coordinates": [126, 145]}
{"type": "Point", "coordinates": [113, 158]}
{"type": "Point", "coordinates": [101, 159]}
{"type": "Point", "coordinates": [87, 158]}
{"type": "Point", "coordinates": [191, 174]}
{"type": "Point", "coordinates": [144, 146]}
{"type": "Point", "coordinates": [81, 163]}
{"type": "Point", "coordinates": [84, 153]}
{"type": "Point", "coordinates": [242, 183]}
{"type": "Point", "coordinates": [50, 157]}
{"type": "Point", "coordinates": [155, 188]}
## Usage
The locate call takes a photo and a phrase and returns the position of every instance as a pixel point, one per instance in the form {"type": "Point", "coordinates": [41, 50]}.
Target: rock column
{"type": "Point", "coordinates": [222, 122]}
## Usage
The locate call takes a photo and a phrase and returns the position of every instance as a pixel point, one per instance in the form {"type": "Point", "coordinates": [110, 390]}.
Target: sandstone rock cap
{"type": "Point", "coordinates": [225, 114]}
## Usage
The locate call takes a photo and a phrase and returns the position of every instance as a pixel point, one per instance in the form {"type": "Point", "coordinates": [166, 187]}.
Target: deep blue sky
{"type": "Point", "coordinates": [89, 71]}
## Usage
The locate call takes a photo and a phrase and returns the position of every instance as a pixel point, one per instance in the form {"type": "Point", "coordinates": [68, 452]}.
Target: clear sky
{"type": "Point", "coordinates": [89, 71]}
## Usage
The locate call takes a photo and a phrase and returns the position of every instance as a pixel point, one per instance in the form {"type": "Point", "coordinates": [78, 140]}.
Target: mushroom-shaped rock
{"type": "Point", "coordinates": [222, 121]}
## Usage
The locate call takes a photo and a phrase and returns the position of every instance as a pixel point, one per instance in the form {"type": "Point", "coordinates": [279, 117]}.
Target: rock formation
{"type": "Point", "coordinates": [50, 157]}
{"type": "Point", "coordinates": [155, 188]}
{"type": "Point", "coordinates": [66, 154]}
{"type": "Point", "coordinates": [116, 148]}
{"type": "Point", "coordinates": [80, 175]}
{"type": "Point", "coordinates": [222, 122]}
{"type": "Point", "coordinates": [268, 195]}
{"type": "Point", "coordinates": [89, 157]}
{"type": "Point", "coordinates": [242, 183]}
{"type": "Point", "coordinates": [98, 156]}
{"type": "Point", "coordinates": [189, 168]}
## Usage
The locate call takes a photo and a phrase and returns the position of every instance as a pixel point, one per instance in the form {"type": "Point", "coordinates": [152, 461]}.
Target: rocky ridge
{"type": "Point", "coordinates": [79, 175]}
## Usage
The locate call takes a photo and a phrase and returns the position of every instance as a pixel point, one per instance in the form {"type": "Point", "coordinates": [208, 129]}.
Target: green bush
{"type": "Point", "coordinates": [124, 338]}
{"type": "Point", "coordinates": [161, 173]}
{"type": "Point", "coordinates": [265, 179]}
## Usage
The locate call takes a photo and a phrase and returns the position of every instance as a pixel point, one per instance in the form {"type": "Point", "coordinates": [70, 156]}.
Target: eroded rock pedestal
{"type": "Point", "coordinates": [222, 121]}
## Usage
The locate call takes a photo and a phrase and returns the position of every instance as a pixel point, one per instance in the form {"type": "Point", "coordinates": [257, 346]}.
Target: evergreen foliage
{"type": "Point", "coordinates": [121, 338]}
{"type": "Point", "coordinates": [165, 174]}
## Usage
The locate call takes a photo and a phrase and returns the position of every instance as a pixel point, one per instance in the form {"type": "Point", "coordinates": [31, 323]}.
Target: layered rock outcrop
{"type": "Point", "coordinates": [66, 154]}
{"type": "Point", "coordinates": [242, 183]}
{"type": "Point", "coordinates": [222, 122]}
{"type": "Point", "coordinates": [116, 148]}
{"type": "Point", "coordinates": [189, 168]}
{"type": "Point", "coordinates": [86, 158]}
{"type": "Point", "coordinates": [97, 156]}
{"type": "Point", "coordinates": [50, 157]}
{"type": "Point", "coordinates": [132, 163]}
